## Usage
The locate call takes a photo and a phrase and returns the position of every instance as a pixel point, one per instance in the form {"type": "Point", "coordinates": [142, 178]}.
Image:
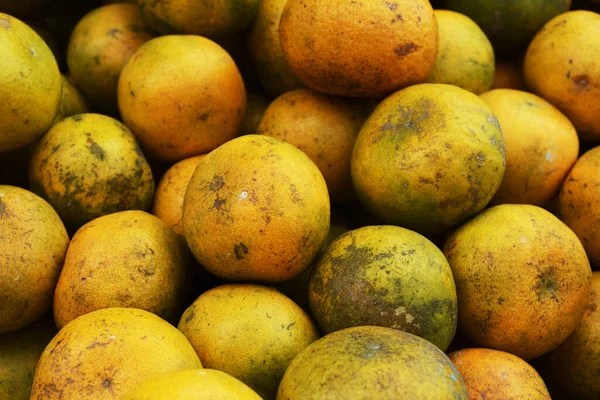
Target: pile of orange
{"type": "Point", "coordinates": [299, 199]}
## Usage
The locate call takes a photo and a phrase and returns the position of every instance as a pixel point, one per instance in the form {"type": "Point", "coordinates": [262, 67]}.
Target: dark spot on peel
{"type": "Point", "coordinates": [114, 32]}
{"type": "Point", "coordinates": [219, 203]}
{"type": "Point", "coordinates": [405, 49]}
{"type": "Point", "coordinates": [240, 250]}
{"type": "Point", "coordinates": [190, 317]}
{"type": "Point", "coordinates": [581, 81]}
{"type": "Point", "coordinates": [77, 118]}
{"type": "Point", "coordinates": [96, 150]}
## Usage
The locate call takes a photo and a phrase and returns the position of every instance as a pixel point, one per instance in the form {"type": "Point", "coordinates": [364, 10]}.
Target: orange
{"type": "Point", "coordinates": [579, 202]}
{"type": "Point", "coordinates": [251, 332]}
{"type": "Point", "coordinates": [31, 87]}
{"type": "Point", "coordinates": [181, 95]}
{"type": "Point", "coordinates": [33, 244]}
{"type": "Point", "coordinates": [361, 49]}
{"type": "Point", "coordinates": [275, 75]}
{"type": "Point", "coordinates": [561, 66]}
{"type": "Point", "coordinates": [256, 208]}
{"type": "Point", "coordinates": [99, 46]}
{"type": "Point", "coordinates": [103, 354]}
{"type": "Point", "coordinates": [170, 193]}
{"type": "Point", "coordinates": [372, 362]}
{"type": "Point", "coordinates": [324, 127]}
{"type": "Point", "coordinates": [257, 104]}
{"type": "Point", "coordinates": [541, 146]}
{"type": "Point", "coordinates": [465, 57]}
{"type": "Point", "coordinates": [145, 266]}
{"type": "Point", "coordinates": [497, 375]}
{"type": "Point", "coordinates": [429, 157]}
{"type": "Point", "coordinates": [89, 165]}
{"type": "Point", "coordinates": [522, 279]}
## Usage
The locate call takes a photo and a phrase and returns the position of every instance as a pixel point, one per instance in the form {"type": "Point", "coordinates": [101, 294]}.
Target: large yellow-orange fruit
{"type": "Point", "coordinates": [181, 95]}
{"type": "Point", "coordinates": [386, 276]}
{"type": "Point", "coordinates": [497, 375]}
{"type": "Point", "coordinates": [372, 362]}
{"type": "Point", "coordinates": [561, 66]}
{"type": "Point", "coordinates": [359, 48]}
{"type": "Point", "coordinates": [145, 266]}
{"type": "Point", "coordinates": [579, 202]}
{"type": "Point", "coordinates": [99, 46]}
{"type": "Point", "coordinates": [90, 165]}
{"type": "Point", "coordinates": [522, 279]}
{"type": "Point", "coordinates": [30, 88]}
{"type": "Point", "coordinates": [429, 157]}
{"type": "Point", "coordinates": [541, 146]}
{"type": "Point", "coordinates": [103, 354]}
{"type": "Point", "coordinates": [256, 208]}
{"type": "Point", "coordinates": [251, 332]}
{"type": "Point", "coordinates": [33, 244]}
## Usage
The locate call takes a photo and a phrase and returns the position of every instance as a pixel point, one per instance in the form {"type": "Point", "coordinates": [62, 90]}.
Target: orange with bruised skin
{"type": "Point", "coordinates": [31, 87]}
{"type": "Point", "coordinates": [90, 165]}
{"type": "Point", "coordinates": [103, 354]}
{"type": "Point", "coordinates": [145, 266]}
{"type": "Point", "coordinates": [33, 244]}
{"type": "Point", "coordinates": [20, 351]}
{"type": "Point", "coordinates": [386, 276]}
{"type": "Point", "coordinates": [514, 264]}
{"type": "Point", "coordinates": [170, 193]}
{"type": "Point", "coordinates": [181, 95]}
{"type": "Point", "coordinates": [192, 384]}
{"type": "Point", "coordinates": [99, 47]}
{"type": "Point", "coordinates": [541, 146]}
{"type": "Point", "coordinates": [264, 329]}
{"type": "Point", "coordinates": [579, 202]}
{"type": "Point", "coordinates": [372, 362]}
{"type": "Point", "coordinates": [497, 375]}
{"type": "Point", "coordinates": [561, 66]}
{"type": "Point", "coordinates": [572, 368]}
{"type": "Point", "coordinates": [256, 208]}
{"type": "Point", "coordinates": [274, 72]}
{"type": "Point", "coordinates": [429, 157]}
{"type": "Point", "coordinates": [324, 128]}
{"type": "Point", "coordinates": [359, 49]}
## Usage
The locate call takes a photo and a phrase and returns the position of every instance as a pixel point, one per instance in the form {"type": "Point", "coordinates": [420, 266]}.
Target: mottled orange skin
{"type": "Point", "coordinates": [359, 49]}
{"type": "Point", "coordinates": [181, 95]}
{"type": "Point", "coordinates": [522, 279]}
{"type": "Point", "coordinates": [103, 354]}
{"type": "Point", "coordinates": [579, 202]}
{"type": "Point", "coordinates": [572, 369]}
{"type": "Point", "coordinates": [324, 128]}
{"type": "Point", "coordinates": [145, 266]}
{"type": "Point", "coordinates": [385, 276]}
{"type": "Point", "coordinates": [20, 351]}
{"type": "Point", "coordinates": [497, 375]}
{"type": "Point", "coordinates": [372, 362]}
{"type": "Point", "coordinates": [256, 208]}
{"type": "Point", "coordinates": [541, 146]}
{"type": "Point", "coordinates": [251, 332]}
{"type": "Point", "coordinates": [33, 244]}
{"type": "Point", "coordinates": [89, 165]}
{"type": "Point", "coordinates": [99, 47]}
{"type": "Point", "coordinates": [561, 66]}
{"type": "Point", "coordinates": [170, 193]}
{"type": "Point", "coordinates": [31, 87]}
{"type": "Point", "coordinates": [428, 158]}
{"type": "Point", "coordinates": [274, 72]}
